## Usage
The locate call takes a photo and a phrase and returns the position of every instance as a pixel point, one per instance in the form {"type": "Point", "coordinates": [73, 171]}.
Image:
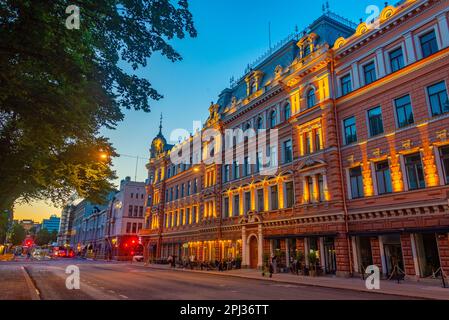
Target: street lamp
{"type": "Point", "coordinates": [104, 156]}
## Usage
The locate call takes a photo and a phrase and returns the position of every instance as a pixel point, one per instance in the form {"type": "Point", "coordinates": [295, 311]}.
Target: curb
{"type": "Point", "coordinates": [34, 292]}
{"type": "Point", "coordinates": [297, 283]}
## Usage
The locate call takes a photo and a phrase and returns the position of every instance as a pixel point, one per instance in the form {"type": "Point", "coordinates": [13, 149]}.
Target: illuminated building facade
{"type": "Point", "coordinates": [362, 159]}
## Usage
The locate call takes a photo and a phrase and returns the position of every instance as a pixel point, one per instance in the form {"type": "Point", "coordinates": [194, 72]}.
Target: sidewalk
{"type": "Point", "coordinates": [412, 289]}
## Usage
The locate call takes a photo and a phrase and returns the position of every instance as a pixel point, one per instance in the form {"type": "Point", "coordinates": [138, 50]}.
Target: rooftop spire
{"type": "Point", "coordinates": [160, 125]}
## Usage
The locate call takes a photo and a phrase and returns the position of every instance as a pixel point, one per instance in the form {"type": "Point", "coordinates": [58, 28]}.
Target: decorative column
{"type": "Point", "coordinates": [355, 76]}
{"type": "Point", "coordinates": [368, 187]}
{"type": "Point", "coordinates": [443, 250]}
{"type": "Point", "coordinates": [322, 257]}
{"type": "Point", "coordinates": [260, 247]}
{"type": "Point", "coordinates": [355, 257]}
{"type": "Point", "coordinates": [414, 254]}
{"type": "Point", "coordinates": [244, 252]}
{"type": "Point", "coordinates": [281, 194]}
{"type": "Point", "coordinates": [315, 189]}
{"type": "Point", "coordinates": [376, 254]}
{"type": "Point", "coordinates": [444, 30]}
{"type": "Point", "coordinates": [409, 48]}
{"type": "Point", "coordinates": [407, 255]}
{"type": "Point", "coordinates": [287, 253]}
{"type": "Point", "coordinates": [380, 62]}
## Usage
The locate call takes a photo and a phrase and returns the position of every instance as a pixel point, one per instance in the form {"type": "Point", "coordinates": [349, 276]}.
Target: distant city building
{"type": "Point", "coordinates": [125, 218]}
{"type": "Point", "coordinates": [28, 224]}
{"type": "Point", "coordinates": [65, 227]}
{"type": "Point", "coordinates": [51, 224]}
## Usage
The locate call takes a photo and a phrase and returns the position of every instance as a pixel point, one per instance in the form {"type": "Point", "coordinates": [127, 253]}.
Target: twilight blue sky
{"type": "Point", "coordinates": [231, 34]}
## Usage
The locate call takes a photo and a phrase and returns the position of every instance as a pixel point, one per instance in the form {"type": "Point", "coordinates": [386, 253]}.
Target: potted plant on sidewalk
{"type": "Point", "coordinates": [313, 259]}
{"type": "Point", "coordinates": [300, 260]}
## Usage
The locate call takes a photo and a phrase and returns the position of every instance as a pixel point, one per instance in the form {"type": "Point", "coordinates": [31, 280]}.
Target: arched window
{"type": "Point", "coordinates": [311, 98]}
{"type": "Point", "coordinates": [259, 123]}
{"type": "Point", "coordinates": [273, 119]}
{"type": "Point", "coordinates": [287, 111]}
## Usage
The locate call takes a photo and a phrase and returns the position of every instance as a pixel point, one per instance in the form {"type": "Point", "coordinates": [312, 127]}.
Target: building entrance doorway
{"type": "Point", "coordinates": [253, 253]}
{"type": "Point", "coordinates": [427, 251]}
{"type": "Point", "coordinates": [393, 253]}
{"type": "Point", "coordinates": [329, 256]}
{"type": "Point", "coordinates": [365, 253]}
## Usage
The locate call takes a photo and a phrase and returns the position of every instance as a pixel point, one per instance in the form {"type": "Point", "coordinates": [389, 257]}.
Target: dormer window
{"type": "Point", "coordinates": [306, 50]}
{"type": "Point", "coordinates": [253, 87]}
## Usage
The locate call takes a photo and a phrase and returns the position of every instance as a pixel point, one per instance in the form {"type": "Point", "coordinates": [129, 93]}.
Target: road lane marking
{"type": "Point", "coordinates": [34, 292]}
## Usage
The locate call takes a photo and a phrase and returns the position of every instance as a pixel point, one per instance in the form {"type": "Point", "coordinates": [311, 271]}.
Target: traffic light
{"type": "Point", "coordinates": [28, 242]}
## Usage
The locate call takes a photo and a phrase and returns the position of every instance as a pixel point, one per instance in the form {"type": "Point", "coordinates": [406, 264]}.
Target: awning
{"type": "Point", "coordinates": [399, 231]}
{"type": "Point", "coordinates": [300, 236]}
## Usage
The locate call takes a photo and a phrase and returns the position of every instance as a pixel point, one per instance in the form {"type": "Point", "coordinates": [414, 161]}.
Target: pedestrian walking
{"type": "Point", "coordinates": [271, 269]}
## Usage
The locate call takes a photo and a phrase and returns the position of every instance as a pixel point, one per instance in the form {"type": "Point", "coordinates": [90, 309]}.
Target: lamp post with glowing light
{"type": "Point", "coordinates": [105, 156]}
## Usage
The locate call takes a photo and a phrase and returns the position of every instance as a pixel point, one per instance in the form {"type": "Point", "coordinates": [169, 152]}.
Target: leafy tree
{"type": "Point", "coordinates": [18, 234]}
{"type": "Point", "coordinates": [43, 237]}
{"type": "Point", "coordinates": [4, 226]}
{"type": "Point", "coordinates": [59, 87]}
{"type": "Point", "coordinates": [53, 236]}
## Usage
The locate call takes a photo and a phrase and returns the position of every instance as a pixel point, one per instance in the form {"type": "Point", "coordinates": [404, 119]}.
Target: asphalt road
{"type": "Point", "coordinates": [120, 281]}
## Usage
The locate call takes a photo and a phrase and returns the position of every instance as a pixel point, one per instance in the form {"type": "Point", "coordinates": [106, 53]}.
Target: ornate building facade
{"type": "Point", "coordinates": [361, 164]}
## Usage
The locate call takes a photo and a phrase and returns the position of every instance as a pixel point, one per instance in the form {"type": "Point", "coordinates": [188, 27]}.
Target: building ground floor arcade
{"type": "Point", "coordinates": [411, 241]}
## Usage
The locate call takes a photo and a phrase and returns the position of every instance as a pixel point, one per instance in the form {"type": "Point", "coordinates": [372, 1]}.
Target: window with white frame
{"type": "Point", "coordinates": [345, 84]}
{"type": "Point", "coordinates": [438, 98]}
{"type": "Point", "coordinates": [414, 171]}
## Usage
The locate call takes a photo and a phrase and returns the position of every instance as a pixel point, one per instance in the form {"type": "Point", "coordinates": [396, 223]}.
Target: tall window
{"type": "Point", "coordinates": [383, 177]}
{"type": "Point", "coordinates": [236, 170]}
{"type": "Point", "coordinates": [350, 130]}
{"type": "Point", "coordinates": [321, 197]}
{"type": "Point", "coordinates": [226, 173]}
{"type": "Point", "coordinates": [189, 184]}
{"type": "Point", "coordinates": [310, 191]}
{"type": "Point", "coordinates": [287, 151]}
{"type": "Point", "coordinates": [307, 143]}
{"type": "Point", "coordinates": [259, 161]}
{"type": "Point", "coordinates": [246, 167]}
{"type": "Point", "coordinates": [346, 84]}
{"type": "Point", "coordinates": [415, 173]}
{"type": "Point", "coordinates": [177, 193]}
{"type": "Point", "coordinates": [226, 208]}
{"type": "Point", "coordinates": [260, 200]}
{"type": "Point", "coordinates": [259, 123]}
{"type": "Point", "coordinates": [444, 156]}
{"type": "Point", "coordinates": [274, 198]}
{"type": "Point", "coordinates": [195, 186]}
{"type": "Point", "coordinates": [428, 44]}
{"type": "Point", "coordinates": [182, 190]}
{"type": "Point", "coordinates": [273, 157]}
{"type": "Point", "coordinates": [289, 195]}
{"type": "Point", "coordinates": [307, 50]}
{"type": "Point", "coordinates": [317, 139]}
{"type": "Point", "coordinates": [247, 202]}
{"type": "Point", "coordinates": [188, 221]}
{"type": "Point", "coordinates": [128, 227]}
{"type": "Point", "coordinates": [311, 101]}
{"type": "Point", "coordinates": [181, 217]}
{"type": "Point", "coordinates": [404, 113]}
{"type": "Point", "coordinates": [375, 121]}
{"type": "Point", "coordinates": [236, 207]}
{"type": "Point", "coordinates": [175, 219]}
{"type": "Point", "coordinates": [438, 98]}
{"type": "Point", "coordinates": [356, 182]}
{"type": "Point", "coordinates": [396, 60]}
{"type": "Point", "coordinates": [287, 111]}
{"type": "Point", "coordinates": [369, 71]}
{"type": "Point", "coordinates": [195, 214]}
{"type": "Point", "coordinates": [273, 119]}
{"type": "Point", "coordinates": [130, 211]}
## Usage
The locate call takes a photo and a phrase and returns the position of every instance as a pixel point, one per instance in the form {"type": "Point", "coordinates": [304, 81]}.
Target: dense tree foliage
{"type": "Point", "coordinates": [18, 234]}
{"type": "Point", "coordinates": [58, 87]}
